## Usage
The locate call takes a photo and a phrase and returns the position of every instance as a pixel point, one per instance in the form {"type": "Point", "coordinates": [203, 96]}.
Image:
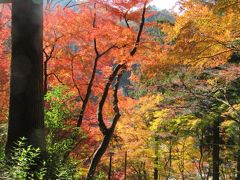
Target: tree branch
{"type": "Point", "coordinates": [73, 79]}
{"type": "Point", "coordinates": [53, 74]}
{"type": "Point", "coordinates": [115, 101]}
{"type": "Point", "coordinates": [125, 19]}
{"type": "Point", "coordinates": [67, 4]}
{"type": "Point", "coordinates": [102, 125]}
{"type": "Point", "coordinates": [134, 50]}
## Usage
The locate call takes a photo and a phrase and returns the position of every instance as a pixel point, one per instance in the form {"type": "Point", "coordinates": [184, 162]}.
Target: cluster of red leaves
{"type": "Point", "coordinates": [5, 14]}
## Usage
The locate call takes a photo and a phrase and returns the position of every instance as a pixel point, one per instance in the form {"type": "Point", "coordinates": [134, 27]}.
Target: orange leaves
{"type": "Point", "coordinates": [77, 39]}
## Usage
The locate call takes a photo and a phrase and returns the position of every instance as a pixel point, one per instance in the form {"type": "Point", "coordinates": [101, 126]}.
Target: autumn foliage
{"type": "Point", "coordinates": [165, 103]}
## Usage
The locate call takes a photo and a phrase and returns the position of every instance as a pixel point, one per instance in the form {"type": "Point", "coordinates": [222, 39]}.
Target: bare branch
{"type": "Point", "coordinates": [67, 4]}
{"type": "Point", "coordinates": [125, 18]}
{"type": "Point", "coordinates": [134, 50]}
{"type": "Point", "coordinates": [106, 51]}
{"type": "Point", "coordinates": [73, 79]}
{"type": "Point", "coordinates": [95, 47]}
{"type": "Point", "coordinates": [53, 74]}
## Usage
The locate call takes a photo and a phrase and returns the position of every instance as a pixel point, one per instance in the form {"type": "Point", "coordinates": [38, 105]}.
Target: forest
{"type": "Point", "coordinates": [119, 90]}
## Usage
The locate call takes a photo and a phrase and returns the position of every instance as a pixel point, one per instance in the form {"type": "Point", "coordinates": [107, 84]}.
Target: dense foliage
{"type": "Point", "coordinates": [177, 115]}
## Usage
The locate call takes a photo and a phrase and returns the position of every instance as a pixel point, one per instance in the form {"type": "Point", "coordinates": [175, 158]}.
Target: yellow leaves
{"type": "Point", "coordinates": [147, 105]}
{"type": "Point", "coordinates": [159, 118]}
{"type": "Point", "coordinates": [132, 126]}
{"type": "Point", "coordinates": [203, 39]}
{"type": "Point", "coordinates": [147, 120]}
{"type": "Point", "coordinates": [233, 111]}
{"type": "Point", "coordinates": [228, 123]}
{"type": "Point", "coordinates": [194, 123]}
{"type": "Point", "coordinates": [161, 114]}
{"type": "Point", "coordinates": [230, 126]}
{"type": "Point", "coordinates": [227, 6]}
{"type": "Point", "coordinates": [149, 102]}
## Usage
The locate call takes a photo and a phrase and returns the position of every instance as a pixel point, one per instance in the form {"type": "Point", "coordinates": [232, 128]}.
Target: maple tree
{"type": "Point", "coordinates": [73, 37]}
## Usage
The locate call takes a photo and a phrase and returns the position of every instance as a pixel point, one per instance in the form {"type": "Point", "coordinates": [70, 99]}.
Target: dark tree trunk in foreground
{"type": "Point", "coordinates": [215, 149]}
{"type": "Point", "coordinates": [26, 86]}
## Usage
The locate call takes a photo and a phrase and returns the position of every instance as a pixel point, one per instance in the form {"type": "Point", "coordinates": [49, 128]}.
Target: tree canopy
{"type": "Point", "coordinates": [131, 91]}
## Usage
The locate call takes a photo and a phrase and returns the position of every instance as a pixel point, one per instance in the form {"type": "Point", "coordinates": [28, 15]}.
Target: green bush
{"type": "Point", "coordinates": [58, 107]}
{"type": "Point", "coordinates": [61, 137]}
{"type": "Point", "coordinates": [26, 161]}
{"type": "Point", "coordinates": [22, 163]}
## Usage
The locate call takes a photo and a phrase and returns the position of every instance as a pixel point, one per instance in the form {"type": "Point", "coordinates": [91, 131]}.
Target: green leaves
{"type": "Point", "coordinates": [25, 163]}
{"type": "Point", "coordinates": [59, 108]}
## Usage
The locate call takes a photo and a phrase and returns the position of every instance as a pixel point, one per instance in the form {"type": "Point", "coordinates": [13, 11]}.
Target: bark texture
{"type": "Point", "coordinates": [26, 84]}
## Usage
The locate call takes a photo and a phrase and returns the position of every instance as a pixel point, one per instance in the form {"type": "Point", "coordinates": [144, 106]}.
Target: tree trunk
{"type": "Point", "coordinates": [110, 166]}
{"type": "Point", "coordinates": [200, 163]}
{"type": "Point", "coordinates": [156, 160]}
{"type": "Point", "coordinates": [89, 91]}
{"type": "Point", "coordinates": [125, 166]}
{"type": "Point", "coordinates": [215, 149]}
{"type": "Point", "coordinates": [238, 159]}
{"type": "Point", "coordinates": [98, 155]}
{"type": "Point", "coordinates": [107, 132]}
{"type": "Point", "coordinates": [26, 86]}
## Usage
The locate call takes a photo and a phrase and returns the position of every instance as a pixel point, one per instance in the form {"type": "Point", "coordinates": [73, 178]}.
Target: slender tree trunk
{"type": "Point", "coordinates": [144, 171]}
{"type": "Point", "coordinates": [238, 159]}
{"type": "Point", "coordinates": [87, 96]}
{"type": "Point", "coordinates": [26, 86]}
{"type": "Point", "coordinates": [200, 163]}
{"type": "Point", "coordinates": [156, 160]}
{"type": "Point", "coordinates": [98, 155]}
{"type": "Point", "coordinates": [125, 166]}
{"type": "Point", "coordinates": [170, 159]}
{"type": "Point", "coordinates": [107, 132]}
{"type": "Point", "coordinates": [215, 149]}
{"type": "Point", "coordinates": [110, 166]}
{"type": "Point", "coordinates": [89, 88]}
